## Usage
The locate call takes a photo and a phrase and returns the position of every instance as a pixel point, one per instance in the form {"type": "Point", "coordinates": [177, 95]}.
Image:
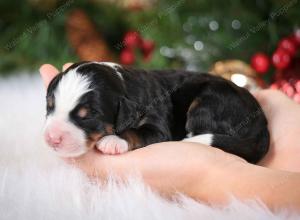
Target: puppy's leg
{"type": "Point", "coordinates": [134, 138]}
{"type": "Point", "coordinates": [214, 121]}
{"type": "Point", "coordinates": [199, 124]}
{"type": "Point", "coordinates": [145, 135]}
{"type": "Point", "coordinates": [112, 144]}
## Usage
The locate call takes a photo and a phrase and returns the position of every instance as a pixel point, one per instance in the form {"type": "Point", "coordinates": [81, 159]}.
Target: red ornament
{"type": "Point", "coordinates": [289, 45]}
{"type": "Point", "coordinates": [147, 46]}
{"type": "Point", "coordinates": [260, 62]}
{"type": "Point", "coordinates": [274, 86]}
{"type": "Point", "coordinates": [296, 37]}
{"type": "Point", "coordinates": [147, 49]}
{"type": "Point", "coordinates": [281, 59]}
{"type": "Point", "coordinates": [297, 86]}
{"type": "Point", "coordinates": [288, 80]}
{"type": "Point", "coordinates": [132, 39]}
{"type": "Point", "coordinates": [127, 56]}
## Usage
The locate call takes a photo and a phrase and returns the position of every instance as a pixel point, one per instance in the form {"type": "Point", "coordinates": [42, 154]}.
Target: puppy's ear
{"type": "Point", "coordinates": [128, 115]}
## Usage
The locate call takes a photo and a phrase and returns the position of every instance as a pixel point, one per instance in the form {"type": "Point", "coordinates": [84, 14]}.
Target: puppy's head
{"type": "Point", "coordinates": [82, 106]}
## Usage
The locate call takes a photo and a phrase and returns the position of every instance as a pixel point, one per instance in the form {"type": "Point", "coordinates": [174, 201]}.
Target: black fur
{"type": "Point", "coordinates": [156, 107]}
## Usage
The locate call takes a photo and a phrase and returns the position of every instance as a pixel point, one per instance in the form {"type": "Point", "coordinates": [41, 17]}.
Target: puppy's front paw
{"type": "Point", "coordinates": [112, 144]}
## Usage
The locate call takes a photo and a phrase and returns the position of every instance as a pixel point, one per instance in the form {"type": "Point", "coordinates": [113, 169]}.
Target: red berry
{"type": "Point", "coordinates": [132, 39]}
{"type": "Point", "coordinates": [127, 57]}
{"type": "Point", "coordinates": [260, 62]}
{"type": "Point", "coordinates": [147, 49]}
{"type": "Point", "coordinates": [297, 86]}
{"type": "Point", "coordinates": [147, 46]}
{"type": "Point", "coordinates": [289, 45]}
{"type": "Point", "coordinates": [294, 40]}
{"type": "Point", "coordinates": [296, 37]}
{"type": "Point", "coordinates": [282, 82]}
{"type": "Point", "coordinates": [274, 86]}
{"type": "Point", "coordinates": [281, 59]}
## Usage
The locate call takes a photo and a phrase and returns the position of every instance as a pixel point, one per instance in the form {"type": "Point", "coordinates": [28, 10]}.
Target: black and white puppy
{"type": "Point", "coordinates": [118, 109]}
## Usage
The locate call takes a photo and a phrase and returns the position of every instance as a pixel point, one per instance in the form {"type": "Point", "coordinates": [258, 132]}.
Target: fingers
{"type": "Point", "coordinates": [273, 100]}
{"type": "Point", "coordinates": [66, 66]}
{"type": "Point", "coordinates": [98, 165]}
{"type": "Point", "coordinates": [48, 72]}
{"type": "Point", "coordinates": [271, 96]}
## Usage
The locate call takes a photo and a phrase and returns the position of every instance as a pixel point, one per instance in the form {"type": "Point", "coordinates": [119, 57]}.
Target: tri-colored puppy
{"type": "Point", "coordinates": [118, 109]}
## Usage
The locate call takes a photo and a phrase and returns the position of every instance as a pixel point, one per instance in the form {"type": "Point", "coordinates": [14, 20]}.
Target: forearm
{"type": "Point", "coordinates": [277, 189]}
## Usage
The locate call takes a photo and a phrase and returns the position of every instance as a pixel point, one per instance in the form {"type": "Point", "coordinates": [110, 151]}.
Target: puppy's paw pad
{"type": "Point", "coordinates": [112, 144]}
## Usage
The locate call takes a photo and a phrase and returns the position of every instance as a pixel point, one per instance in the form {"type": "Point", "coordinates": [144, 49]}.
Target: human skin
{"type": "Point", "coordinates": [207, 173]}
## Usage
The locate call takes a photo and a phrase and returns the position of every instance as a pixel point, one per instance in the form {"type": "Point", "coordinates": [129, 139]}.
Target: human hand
{"type": "Point", "coordinates": [283, 117]}
{"type": "Point", "coordinates": [202, 172]}
{"type": "Point", "coordinates": [167, 167]}
{"type": "Point", "coordinates": [284, 124]}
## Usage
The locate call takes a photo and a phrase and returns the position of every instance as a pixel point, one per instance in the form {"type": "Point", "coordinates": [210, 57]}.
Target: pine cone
{"type": "Point", "coordinates": [86, 41]}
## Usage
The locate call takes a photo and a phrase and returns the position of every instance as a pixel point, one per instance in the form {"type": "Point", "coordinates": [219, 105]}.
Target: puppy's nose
{"type": "Point", "coordinates": [54, 139]}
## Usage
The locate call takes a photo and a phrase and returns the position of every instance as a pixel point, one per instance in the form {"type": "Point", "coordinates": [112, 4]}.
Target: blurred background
{"type": "Point", "coordinates": [254, 43]}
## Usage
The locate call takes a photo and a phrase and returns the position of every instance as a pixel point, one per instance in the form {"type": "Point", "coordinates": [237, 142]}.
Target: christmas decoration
{"type": "Point", "coordinates": [281, 58]}
{"type": "Point", "coordinates": [296, 37]}
{"type": "Point", "coordinates": [239, 73]}
{"type": "Point", "coordinates": [286, 63]}
{"type": "Point", "coordinates": [147, 49]}
{"type": "Point", "coordinates": [130, 4]}
{"type": "Point", "coordinates": [288, 45]}
{"type": "Point", "coordinates": [127, 56]}
{"type": "Point", "coordinates": [188, 34]}
{"type": "Point", "coordinates": [134, 42]}
{"type": "Point", "coordinates": [136, 4]}
{"type": "Point", "coordinates": [260, 63]}
{"type": "Point", "coordinates": [288, 80]}
{"type": "Point", "coordinates": [132, 39]}
{"type": "Point", "coordinates": [86, 41]}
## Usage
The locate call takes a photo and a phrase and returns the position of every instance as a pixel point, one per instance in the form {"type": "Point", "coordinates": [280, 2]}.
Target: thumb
{"type": "Point", "coordinates": [48, 72]}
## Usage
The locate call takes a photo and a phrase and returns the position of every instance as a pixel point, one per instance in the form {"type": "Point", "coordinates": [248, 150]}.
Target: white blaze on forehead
{"type": "Point", "coordinates": [70, 89]}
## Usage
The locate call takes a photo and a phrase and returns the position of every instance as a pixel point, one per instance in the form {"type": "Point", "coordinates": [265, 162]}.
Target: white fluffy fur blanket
{"type": "Point", "coordinates": [34, 184]}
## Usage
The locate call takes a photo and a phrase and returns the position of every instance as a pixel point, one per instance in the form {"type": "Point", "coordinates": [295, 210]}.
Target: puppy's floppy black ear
{"type": "Point", "coordinates": [128, 115]}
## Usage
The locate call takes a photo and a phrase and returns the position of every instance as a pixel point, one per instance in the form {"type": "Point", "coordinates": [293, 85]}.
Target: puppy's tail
{"type": "Point", "coordinates": [251, 149]}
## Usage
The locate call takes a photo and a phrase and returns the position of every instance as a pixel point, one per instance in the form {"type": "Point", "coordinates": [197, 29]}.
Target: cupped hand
{"type": "Point", "coordinates": [167, 166]}
{"type": "Point", "coordinates": [181, 166]}
{"type": "Point", "coordinates": [283, 115]}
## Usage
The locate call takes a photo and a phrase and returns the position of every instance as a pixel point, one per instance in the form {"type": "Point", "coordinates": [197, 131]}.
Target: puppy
{"type": "Point", "coordinates": [118, 109]}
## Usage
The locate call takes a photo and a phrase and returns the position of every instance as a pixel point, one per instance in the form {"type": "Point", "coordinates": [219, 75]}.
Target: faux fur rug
{"type": "Point", "coordinates": [34, 184]}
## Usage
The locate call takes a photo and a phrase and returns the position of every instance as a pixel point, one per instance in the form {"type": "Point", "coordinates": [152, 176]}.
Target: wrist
{"type": "Point", "coordinates": [214, 181]}
{"type": "Point", "coordinates": [244, 181]}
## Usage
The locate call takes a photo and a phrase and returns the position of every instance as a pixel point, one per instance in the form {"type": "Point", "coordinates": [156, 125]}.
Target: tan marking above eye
{"type": "Point", "coordinates": [82, 112]}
